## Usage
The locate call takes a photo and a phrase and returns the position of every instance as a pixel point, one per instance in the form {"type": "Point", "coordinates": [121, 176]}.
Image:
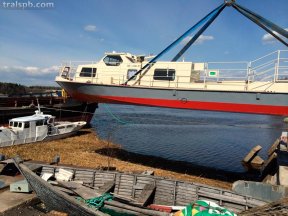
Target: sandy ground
{"type": "Point", "coordinates": [86, 149]}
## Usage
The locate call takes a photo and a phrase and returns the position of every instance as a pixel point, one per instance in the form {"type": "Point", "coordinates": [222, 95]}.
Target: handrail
{"type": "Point", "coordinates": [272, 69]}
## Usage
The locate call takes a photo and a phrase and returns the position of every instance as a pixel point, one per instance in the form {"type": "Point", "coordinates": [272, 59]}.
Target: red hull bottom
{"type": "Point", "coordinates": [194, 105]}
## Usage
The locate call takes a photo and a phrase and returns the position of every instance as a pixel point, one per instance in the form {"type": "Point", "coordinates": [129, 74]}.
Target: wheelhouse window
{"type": "Point", "coordinates": [88, 72]}
{"type": "Point", "coordinates": [39, 122]}
{"type": "Point", "coordinates": [131, 73]}
{"type": "Point", "coordinates": [26, 125]}
{"type": "Point", "coordinates": [164, 74]}
{"type": "Point", "coordinates": [112, 60]}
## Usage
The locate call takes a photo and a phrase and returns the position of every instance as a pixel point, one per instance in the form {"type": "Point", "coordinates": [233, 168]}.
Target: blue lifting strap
{"type": "Point", "coordinates": [178, 40]}
{"type": "Point", "coordinates": [197, 35]}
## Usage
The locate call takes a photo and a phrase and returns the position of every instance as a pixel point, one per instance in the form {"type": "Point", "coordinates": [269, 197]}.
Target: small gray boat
{"type": "Point", "coordinates": [133, 194]}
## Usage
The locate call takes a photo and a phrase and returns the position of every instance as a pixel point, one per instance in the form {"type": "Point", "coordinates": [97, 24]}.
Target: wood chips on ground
{"type": "Point", "coordinates": [81, 150]}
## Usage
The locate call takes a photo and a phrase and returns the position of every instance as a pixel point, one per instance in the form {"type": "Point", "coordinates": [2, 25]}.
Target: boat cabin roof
{"type": "Point", "coordinates": [31, 118]}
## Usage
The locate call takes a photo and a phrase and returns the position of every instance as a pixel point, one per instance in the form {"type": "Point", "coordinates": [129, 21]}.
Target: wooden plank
{"type": "Point", "coordinates": [234, 206]}
{"type": "Point", "coordinates": [65, 190]}
{"type": "Point", "coordinates": [140, 181]}
{"type": "Point", "coordinates": [164, 182]}
{"type": "Point", "coordinates": [273, 147]}
{"type": "Point", "coordinates": [210, 190]}
{"type": "Point", "coordinates": [123, 197]}
{"type": "Point", "coordinates": [145, 178]}
{"type": "Point", "coordinates": [253, 152]}
{"type": "Point", "coordinates": [86, 193]}
{"type": "Point", "coordinates": [83, 191]}
{"type": "Point", "coordinates": [162, 201]}
{"type": "Point", "coordinates": [185, 196]}
{"type": "Point", "coordinates": [69, 185]}
{"type": "Point", "coordinates": [183, 203]}
{"type": "Point", "coordinates": [218, 197]}
{"type": "Point", "coordinates": [146, 194]}
{"type": "Point", "coordinates": [139, 186]}
{"type": "Point", "coordinates": [107, 187]}
{"type": "Point", "coordinates": [188, 190]}
{"type": "Point", "coordinates": [84, 172]}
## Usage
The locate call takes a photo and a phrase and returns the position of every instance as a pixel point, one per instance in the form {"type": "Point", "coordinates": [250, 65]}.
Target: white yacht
{"type": "Point", "coordinates": [37, 127]}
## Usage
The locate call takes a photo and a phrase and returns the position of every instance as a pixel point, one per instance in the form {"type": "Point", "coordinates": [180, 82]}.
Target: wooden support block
{"type": "Point", "coordinates": [267, 168]}
{"type": "Point", "coordinates": [273, 147]}
{"type": "Point", "coordinates": [250, 156]}
{"type": "Point", "coordinates": [257, 162]}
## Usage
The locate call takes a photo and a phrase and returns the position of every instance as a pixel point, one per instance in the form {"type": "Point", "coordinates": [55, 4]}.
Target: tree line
{"type": "Point", "coordinates": [18, 89]}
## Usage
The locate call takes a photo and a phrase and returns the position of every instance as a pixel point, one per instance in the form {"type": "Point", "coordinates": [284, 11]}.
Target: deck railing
{"type": "Point", "coordinates": [271, 68]}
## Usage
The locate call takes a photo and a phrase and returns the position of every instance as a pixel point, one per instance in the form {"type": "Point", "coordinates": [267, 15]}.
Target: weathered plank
{"type": "Point", "coordinates": [83, 191]}
{"type": "Point", "coordinates": [107, 187]}
{"type": "Point", "coordinates": [146, 194]}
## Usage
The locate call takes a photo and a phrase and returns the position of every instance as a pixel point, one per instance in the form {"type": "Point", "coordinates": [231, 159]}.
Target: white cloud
{"type": "Point", "coordinates": [30, 75]}
{"type": "Point", "coordinates": [201, 39]}
{"type": "Point", "coordinates": [29, 71]}
{"type": "Point", "coordinates": [269, 39]}
{"type": "Point", "coordinates": [90, 28]}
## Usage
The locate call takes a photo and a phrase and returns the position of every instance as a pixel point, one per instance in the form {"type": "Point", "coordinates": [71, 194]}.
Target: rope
{"type": "Point", "coordinates": [184, 122]}
{"type": "Point", "coordinates": [67, 110]}
{"type": "Point", "coordinates": [114, 116]}
{"type": "Point", "coordinates": [97, 202]}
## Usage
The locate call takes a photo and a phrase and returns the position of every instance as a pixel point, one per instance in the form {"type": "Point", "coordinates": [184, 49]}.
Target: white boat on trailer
{"type": "Point", "coordinates": [35, 128]}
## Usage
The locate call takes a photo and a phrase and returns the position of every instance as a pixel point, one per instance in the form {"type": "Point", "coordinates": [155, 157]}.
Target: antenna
{"type": "Point", "coordinates": [38, 105]}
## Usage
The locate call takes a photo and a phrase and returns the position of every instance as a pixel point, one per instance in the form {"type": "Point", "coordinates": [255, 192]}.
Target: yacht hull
{"type": "Point", "coordinates": [227, 101]}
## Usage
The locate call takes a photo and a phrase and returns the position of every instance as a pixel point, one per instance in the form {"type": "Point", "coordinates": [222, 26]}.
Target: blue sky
{"type": "Point", "coordinates": [34, 42]}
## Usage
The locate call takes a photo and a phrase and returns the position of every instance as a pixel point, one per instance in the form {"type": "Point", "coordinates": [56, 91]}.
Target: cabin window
{"type": "Point", "coordinates": [39, 123]}
{"type": "Point", "coordinates": [26, 125]}
{"type": "Point", "coordinates": [130, 73]}
{"type": "Point", "coordinates": [88, 72]}
{"type": "Point", "coordinates": [164, 74]}
{"type": "Point", "coordinates": [113, 60]}
{"type": "Point", "coordinates": [11, 124]}
{"type": "Point", "coordinates": [20, 125]}
{"type": "Point", "coordinates": [15, 124]}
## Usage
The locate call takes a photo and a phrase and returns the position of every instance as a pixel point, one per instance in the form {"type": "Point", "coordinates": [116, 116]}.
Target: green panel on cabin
{"type": "Point", "coordinates": [212, 73]}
